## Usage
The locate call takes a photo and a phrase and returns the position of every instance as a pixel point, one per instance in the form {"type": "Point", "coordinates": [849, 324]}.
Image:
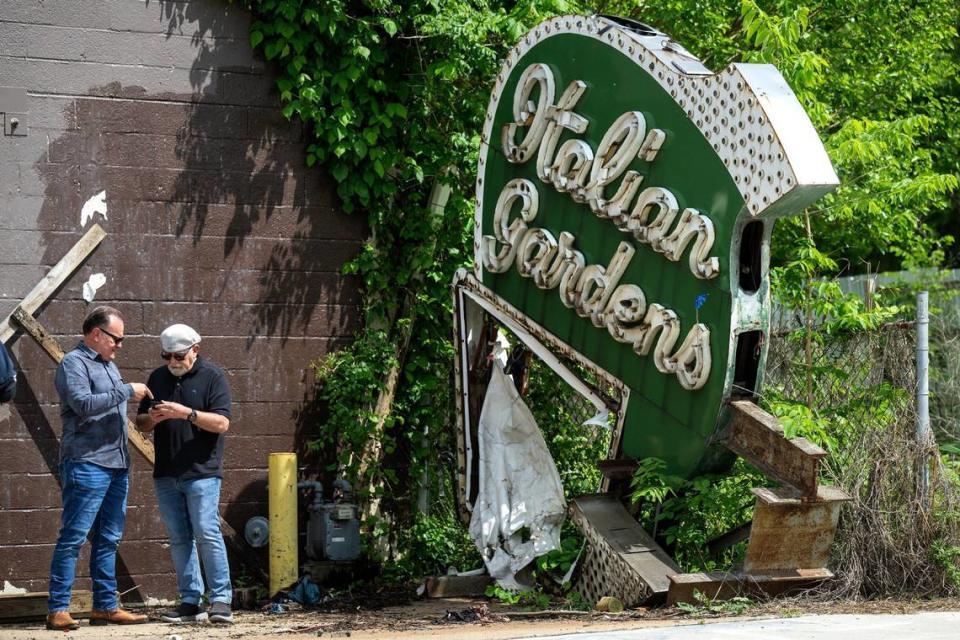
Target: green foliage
{"type": "Point", "coordinates": [560, 413]}
{"type": "Point", "coordinates": [705, 605]}
{"type": "Point", "coordinates": [533, 599]}
{"type": "Point", "coordinates": [577, 602]}
{"type": "Point", "coordinates": [392, 97]}
{"type": "Point", "coordinates": [686, 514]}
{"type": "Point", "coordinates": [557, 562]}
{"type": "Point", "coordinates": [359, 377]}
{"type": "Point", "coordinates": [434, 543]}
{"type": "Point", "coordinates": [948, 558]}
{"type": "Point", "coordinates": [879, 81]}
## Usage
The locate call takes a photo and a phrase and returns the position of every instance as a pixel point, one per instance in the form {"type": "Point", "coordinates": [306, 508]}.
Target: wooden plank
{"type": "Point", "coordinates": [25, 607]}
{"type": "Point", "coordinates": [137, 439]}
{"type": "Point", "coordinates": [55, 351]}
{"type": "Point", "coordinates": [55, 277]}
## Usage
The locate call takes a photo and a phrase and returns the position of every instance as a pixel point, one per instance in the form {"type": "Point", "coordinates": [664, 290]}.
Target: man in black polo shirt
{"type": "Point", "coordinates": [189, 424]}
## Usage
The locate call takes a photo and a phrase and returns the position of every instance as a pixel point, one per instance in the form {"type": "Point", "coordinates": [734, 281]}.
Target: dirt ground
{"type": "Point", "coordinates": [468, 619]}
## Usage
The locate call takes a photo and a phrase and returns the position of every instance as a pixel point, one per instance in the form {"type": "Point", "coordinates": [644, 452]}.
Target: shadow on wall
{"type": "Point", "coordinates": [220, 168]}
{"type": "Point", "coordinates": [261, 174]}
{"type": "Point", "coordinates": [225, 168]}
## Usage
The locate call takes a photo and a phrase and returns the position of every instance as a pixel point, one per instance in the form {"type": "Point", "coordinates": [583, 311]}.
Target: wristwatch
{"type": "Point", "coordinates": [192, 418]}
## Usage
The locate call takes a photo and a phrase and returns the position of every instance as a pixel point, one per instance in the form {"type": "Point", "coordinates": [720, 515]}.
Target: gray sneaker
{"type": "Point", "coordinates": [220, 613]}
{"type": "Point", "coordinates": [185, 613]}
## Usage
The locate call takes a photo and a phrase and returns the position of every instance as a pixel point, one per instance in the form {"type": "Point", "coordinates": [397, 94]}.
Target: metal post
{"type": "Point", "coordinates": [923, 392]}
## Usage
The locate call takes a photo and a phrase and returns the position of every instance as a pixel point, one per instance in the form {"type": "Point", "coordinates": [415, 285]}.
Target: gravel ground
{"type": "Point", "coordinates": [372, 617]}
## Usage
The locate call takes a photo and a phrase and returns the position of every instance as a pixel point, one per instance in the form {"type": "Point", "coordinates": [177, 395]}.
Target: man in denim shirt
{"type": "Point", "coordinates": [94, 469]}
{"type": "Point", "coordinates": [8, 376]}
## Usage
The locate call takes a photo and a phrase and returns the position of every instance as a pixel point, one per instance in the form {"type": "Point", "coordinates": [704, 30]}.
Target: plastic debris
{"type": "Point", "coordinates": [306, 592]}
{"type": "Point", "coordinates": [520, 505]}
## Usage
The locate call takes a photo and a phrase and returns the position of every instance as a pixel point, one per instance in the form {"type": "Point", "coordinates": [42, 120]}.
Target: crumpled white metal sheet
{"type": "Point", "coordinates": [520, 506]}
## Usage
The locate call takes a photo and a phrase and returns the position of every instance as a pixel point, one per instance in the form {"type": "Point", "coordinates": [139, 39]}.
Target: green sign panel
{"type": "Point", "coordinates": [625, 198]}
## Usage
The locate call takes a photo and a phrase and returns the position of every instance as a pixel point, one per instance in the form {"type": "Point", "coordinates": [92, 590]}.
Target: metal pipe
{"type": "Point", "coordinates": [923, 393]}
{"type": "Point", "coordinates": [282, 497]}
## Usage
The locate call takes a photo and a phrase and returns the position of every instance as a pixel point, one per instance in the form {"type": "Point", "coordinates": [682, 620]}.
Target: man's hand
{"type": "Point", "coordinates": [140, 390]}
{"type": "Point", "coordinates": [167, 410]}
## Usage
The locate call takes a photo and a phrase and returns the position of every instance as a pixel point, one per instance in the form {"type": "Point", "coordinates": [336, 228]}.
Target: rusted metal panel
{"type": "Point", "coordinates": [792, 532]}
{"type": "Point", "coordinates": [621, 560]}
{"type": "Point", "coordinates": [456, 586]}
{"type": "Point", "coordinates": [722, 585]}
{"type": "Point", "coordinates": [617, 469]}
{"type": "Point", "coordinates": [758, 437]}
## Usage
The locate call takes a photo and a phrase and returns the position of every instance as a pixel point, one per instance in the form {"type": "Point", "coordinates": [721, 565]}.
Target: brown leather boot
{"type": "Point", "coordinates": [61, 621]}
{"type": "Point", "coordinates": [117, 616]}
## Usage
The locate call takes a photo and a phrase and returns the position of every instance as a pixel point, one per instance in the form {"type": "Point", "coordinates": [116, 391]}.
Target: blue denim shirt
{"type": "Point", "coordinates": [93, 409]}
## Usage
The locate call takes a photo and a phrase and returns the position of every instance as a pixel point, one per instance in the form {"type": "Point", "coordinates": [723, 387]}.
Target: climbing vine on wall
{"type": "Point", "coordinates": [392, 96]}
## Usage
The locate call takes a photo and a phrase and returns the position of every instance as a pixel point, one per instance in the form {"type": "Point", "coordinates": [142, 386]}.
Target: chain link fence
{"type": "Point", "coordinates": [856, 394]}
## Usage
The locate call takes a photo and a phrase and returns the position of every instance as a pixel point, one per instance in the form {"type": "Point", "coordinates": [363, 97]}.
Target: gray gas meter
{"type": "Point", "coordinates": [333, 528]}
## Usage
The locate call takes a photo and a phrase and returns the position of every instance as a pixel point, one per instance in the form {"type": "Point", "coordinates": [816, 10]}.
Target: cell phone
{"type": "Point", "coordinates": [153, 402]}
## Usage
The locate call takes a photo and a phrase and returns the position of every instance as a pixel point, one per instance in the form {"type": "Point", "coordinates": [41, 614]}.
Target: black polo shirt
{"type": "Point", "coordinates": [183, 449]}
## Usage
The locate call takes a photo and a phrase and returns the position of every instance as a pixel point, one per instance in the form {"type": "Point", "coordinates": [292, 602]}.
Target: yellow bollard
{"type": "Point", "coordinates": [282, 492]}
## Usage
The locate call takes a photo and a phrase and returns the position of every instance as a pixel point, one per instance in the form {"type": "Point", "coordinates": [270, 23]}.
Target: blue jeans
{"type": "Point", "coordinates": [189, 508]}
{"type": "Point", "coordinates": [95, 503]}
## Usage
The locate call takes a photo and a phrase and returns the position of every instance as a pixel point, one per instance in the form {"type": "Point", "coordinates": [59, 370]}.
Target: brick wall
{"type": "Point", "coordinates": [212, 220]}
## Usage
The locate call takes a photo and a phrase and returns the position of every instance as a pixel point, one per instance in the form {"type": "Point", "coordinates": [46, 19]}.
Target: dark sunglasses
{"type": "Point", "coordinates": [116, 339]}
{"type": "Point", "coordinates": [179, 357]}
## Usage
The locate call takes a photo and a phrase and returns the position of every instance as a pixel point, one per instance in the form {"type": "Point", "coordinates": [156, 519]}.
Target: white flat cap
{"type": "Point", "coordinates": [178, 337]}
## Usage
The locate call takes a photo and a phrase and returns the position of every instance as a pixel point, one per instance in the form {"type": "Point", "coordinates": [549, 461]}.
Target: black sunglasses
{"type": "Point", "coordinates": [116, 339]}
{"type": "Point", "coordinates": [179, 357]}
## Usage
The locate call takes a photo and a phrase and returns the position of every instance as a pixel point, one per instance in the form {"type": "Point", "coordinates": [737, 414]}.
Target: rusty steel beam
{"type": "Point", "coordinates": [723, 585]}
{"type": "Point", "coordinates": [792, 532]}
{"type": "Point", "coordinates": [757, 436]}
{"type": "Point", "coordinates": [622, 469]}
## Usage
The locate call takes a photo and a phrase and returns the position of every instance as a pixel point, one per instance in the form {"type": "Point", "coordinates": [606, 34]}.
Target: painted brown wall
{"type": "Point", "coordinates": [212, 220]}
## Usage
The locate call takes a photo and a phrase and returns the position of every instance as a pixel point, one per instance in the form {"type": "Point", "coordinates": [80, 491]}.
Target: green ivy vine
{"type": "Point", "coordinates": [392, 97]}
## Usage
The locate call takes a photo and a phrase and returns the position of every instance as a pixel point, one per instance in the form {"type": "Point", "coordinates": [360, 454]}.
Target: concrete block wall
{"type": "Point", "coordinates": [212, 220]}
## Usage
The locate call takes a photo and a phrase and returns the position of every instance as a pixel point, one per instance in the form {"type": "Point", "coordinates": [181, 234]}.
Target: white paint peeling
{"type": "Point", "coordinates": [90, 287]}
{"type": "Point", "coordinates": [96, 204]}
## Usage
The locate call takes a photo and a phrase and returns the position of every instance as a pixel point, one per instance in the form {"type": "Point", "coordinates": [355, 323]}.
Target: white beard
{"type": "Point", "coordinates": [178, 371]}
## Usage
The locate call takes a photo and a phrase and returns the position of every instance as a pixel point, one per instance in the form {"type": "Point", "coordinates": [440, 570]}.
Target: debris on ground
{"type": "Point", "coordinates": [476, 613]}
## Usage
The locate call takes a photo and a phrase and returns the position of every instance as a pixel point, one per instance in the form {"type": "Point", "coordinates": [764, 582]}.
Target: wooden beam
{"type": "Point", "coordinates": [26, 607]}
{"type": "Point", "coordinates": [55, 277]}
{"type": "Point", "coordinates": [55, 351]}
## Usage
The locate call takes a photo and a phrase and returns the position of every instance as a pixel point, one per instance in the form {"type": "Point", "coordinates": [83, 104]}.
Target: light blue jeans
{"type": "Point", "coordinates": [189, 508]}
{"type": "Point", "coordinates": [95, 503]}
